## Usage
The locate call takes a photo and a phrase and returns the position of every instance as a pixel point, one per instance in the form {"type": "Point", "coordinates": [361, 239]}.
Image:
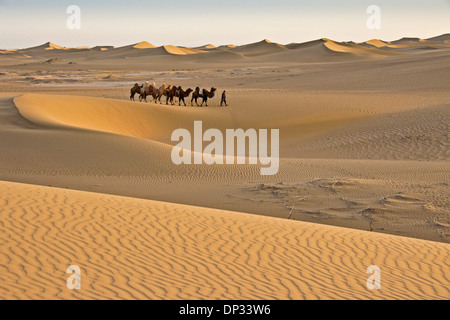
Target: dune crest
{"type": "Point", "coordinates": [206, 46]}
{"type": "Point", "coordinates": [180, 50]}
{"type": "Point", "coordinates": [377, 43]}
{"type": "Point", "coordinates": [46, 46]}
{"type": "Point", "coordinates": [228, 46]}
{"type": "Point", "coordinates": [359, 50]}
{"type": "Point", "coordinates": [51, 46]}
{"type": "Point", "coordinates": [143, 45]}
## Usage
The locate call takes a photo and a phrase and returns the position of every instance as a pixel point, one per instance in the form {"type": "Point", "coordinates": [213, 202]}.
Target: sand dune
{"type": "Point", "coordinates": [51, 46]}
{"type": "Point", "coordinates": [206, 47]}
{"type": "Point", "coordinates": [305, 44]}
{"type": "Point", "coordinates": [356, 49]}
{"type": "Point", "coordinates": [263, 51]}
{"type": "Point", "coordinates": [135, 249]}
{"type": "Point", "coordinates": [377, 43]}
{"type": "Point", "coordinates": [227, 46]}
{"type": "Point", "coordinates": [109, 115]}
{"type": "Point", "coordinates": [143, 45]}
{"type": "Point", "coordinates": [102, 48]}
{"type": "Point", "coordinates": [259, 48]}
{"type": "Point", "coordinates": [180, 50]}
{"type": "Point", "coordinates": [216, 56]}
{"type": "Point", "coordinates": [146, 50]}
{"type": "Point", "coordinates": [146, 121]}
{"type": "Point", "coordinates": [407, 40]}
{"type": "Point", "coordinates": [47, 46]}
{"type": "Point", "coordinates": [439, 39]}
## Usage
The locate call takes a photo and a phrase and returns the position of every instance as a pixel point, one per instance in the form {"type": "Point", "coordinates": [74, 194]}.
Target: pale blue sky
{"type": "Point", "coordinates": [25, 23]}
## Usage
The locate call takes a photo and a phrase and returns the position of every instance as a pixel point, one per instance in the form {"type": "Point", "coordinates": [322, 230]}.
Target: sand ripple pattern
{"type": "Point", "coordinates": [139, 249]}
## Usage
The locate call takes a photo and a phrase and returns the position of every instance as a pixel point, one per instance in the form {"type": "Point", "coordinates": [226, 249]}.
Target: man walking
{"type": "Point", "coordinates": [224, 99]}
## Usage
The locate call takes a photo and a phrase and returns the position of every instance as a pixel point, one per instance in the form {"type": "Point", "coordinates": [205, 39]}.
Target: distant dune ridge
{"type": "Point", "coordinates": [372, 48]}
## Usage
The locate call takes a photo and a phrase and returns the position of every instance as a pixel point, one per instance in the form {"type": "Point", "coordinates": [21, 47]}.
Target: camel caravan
{"type": "Point", "coordinates": [172, 93]}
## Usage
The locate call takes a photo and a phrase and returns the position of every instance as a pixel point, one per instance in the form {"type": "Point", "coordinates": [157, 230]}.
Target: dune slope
{"type": "Point", "coordinates": [134, 249]}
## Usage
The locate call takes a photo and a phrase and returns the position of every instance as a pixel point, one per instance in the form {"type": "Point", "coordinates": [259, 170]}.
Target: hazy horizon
{"type": "Point", "coordinates": [25, 23]}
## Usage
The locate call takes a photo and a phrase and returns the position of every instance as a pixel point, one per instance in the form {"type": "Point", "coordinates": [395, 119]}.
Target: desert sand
{"type": "Point", "coordinates": [141, 249]}
{"type": "Point", "coordinates": [87, 179]}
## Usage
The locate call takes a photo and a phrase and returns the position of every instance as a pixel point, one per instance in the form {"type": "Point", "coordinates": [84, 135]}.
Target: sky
{"type": "Point", "coordinates": [27, 23]}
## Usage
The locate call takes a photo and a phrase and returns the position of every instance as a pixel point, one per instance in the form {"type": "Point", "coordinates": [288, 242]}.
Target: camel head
{"type": "Point", "coordinates": [189, 90]}
{"type": "Point", "coordinates": [213, 90]}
